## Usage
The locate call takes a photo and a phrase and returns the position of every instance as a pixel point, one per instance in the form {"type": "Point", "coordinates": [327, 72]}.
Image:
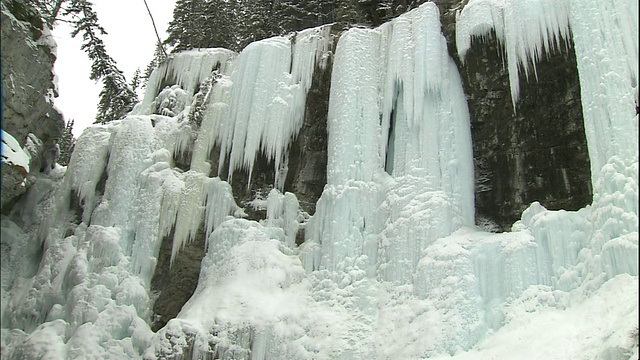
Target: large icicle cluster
{"type": "Point", "coordinates": [268, 96]}
{"type": "Point", "coordinates": [408, 115]}
{"type": "Point", "coordinates": [529, 29]}
{"type": "Point", "coordinates": [188, 70]}
{"type": "Point", "coordinates": [607, 58]}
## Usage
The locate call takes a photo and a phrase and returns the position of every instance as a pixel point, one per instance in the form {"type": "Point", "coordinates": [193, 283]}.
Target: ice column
{"type": "Point", "coordinates": [607, 57]}
{"type": "Point", "coordinates": [396, 104]}
{"type": "Point", "coordinates": [353, 119]}
{"type": "Point", "coordinates": [605, 34]}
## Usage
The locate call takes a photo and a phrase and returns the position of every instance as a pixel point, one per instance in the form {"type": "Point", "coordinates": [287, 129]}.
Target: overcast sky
{"type": "Point", "coordinates": [130, 41]}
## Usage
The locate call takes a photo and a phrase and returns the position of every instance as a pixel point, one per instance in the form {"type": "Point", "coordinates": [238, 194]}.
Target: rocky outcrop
{"type": "Point", "coordinates": [535, 152]}
{"type": "Point", "coordinates": [27, 91]}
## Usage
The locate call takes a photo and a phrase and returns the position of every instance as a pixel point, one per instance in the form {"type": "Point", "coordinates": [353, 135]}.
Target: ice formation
{"type": "Point", "coordinates": [391, 265]}
{"type": "Point", "coordinates": [528, 29]}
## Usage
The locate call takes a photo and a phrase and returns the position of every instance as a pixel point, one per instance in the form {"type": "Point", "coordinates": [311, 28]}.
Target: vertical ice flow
{"type": "Point", "coordinates": [529, 29]}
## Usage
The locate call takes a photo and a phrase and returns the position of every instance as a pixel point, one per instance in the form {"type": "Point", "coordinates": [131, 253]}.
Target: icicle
{"type": "Point", "coordinates": [353, 118]}
{"type": "Point", "coordinates": [525, 27]}
{"type": "Point", "coordinates": [607, 61]}
{"type": "Point", "coordinates": [186, 69]}
{"type": "Point", "coordinates": [266, 109]}
{"type": "Point", "coordinates": [133, 143]}
{"type": "Point", "coordinates": [148, 233]}
{"type": "Point", "coordinates": [283, 211]}
{"type": "Point", "coordinates": [190, 211]}
{"type": "Point", "coordinates": [172, 188]}
{"type": "Point", "coordinates": [87, 165]}
{"type": "Point", "coordinates": [215, 113]}
{"type": "Point", "coordinates": [219, 204]}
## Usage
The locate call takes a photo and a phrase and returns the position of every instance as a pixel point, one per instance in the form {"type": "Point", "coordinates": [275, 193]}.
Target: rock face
{"type": "Point", "coordinates": [28, 88]}
{"type": "Point", "coordinates": [530, 154]}
{"type": "Point", "coordinates": [537, 152]}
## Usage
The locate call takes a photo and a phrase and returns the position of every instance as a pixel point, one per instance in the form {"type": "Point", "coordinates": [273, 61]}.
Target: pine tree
{"type": "Point", "coordinates": [185, 30]}
{"type": "Point", "coordinates": [294, 15]}
{"type": "Point", "coordinates": [66, 144]}
{"type": "Point", "coordinates": [116, 97]}
{"type": "Point", "coordinates": [158, 58]}
{"type": "Point", "coordinates": [257, 21]}
{"type": "Point", "coordinates": [204, 24]}
{"type": "Point", "coordinates": [135, 80]}
{"type": "Point", "coordinates": [49, 9]}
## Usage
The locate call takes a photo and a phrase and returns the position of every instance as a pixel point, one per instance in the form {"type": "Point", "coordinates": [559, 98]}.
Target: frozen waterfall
{"type": "Point", "coordinates": [392, 266]}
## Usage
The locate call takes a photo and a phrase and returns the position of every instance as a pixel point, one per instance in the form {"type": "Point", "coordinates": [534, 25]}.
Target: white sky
{"type": "Point", "coordinates": [130, 41]}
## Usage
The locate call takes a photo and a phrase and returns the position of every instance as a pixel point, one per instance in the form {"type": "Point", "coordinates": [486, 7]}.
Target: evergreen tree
{"type": "Point", "coordinates": [204, 24]}
{"type": "Point", "coordinates": [66, 144]}
{"type": "Point", "coordinates": [294, 15]}
{"type": "Point", "coordinates": [233, 24]}
{"type": "Point", "coordinates": [135, 80]}
{"type": "Point", "coordinates": [49, 9]}
{"type": "Point", "coordinates": [187, 30]}
{"type": "Point", "coordinates": [257, 21]}
{"type": "Point", "coordinates": [158, 58]}
{"type": "Point", "coordinates": [116, 97]}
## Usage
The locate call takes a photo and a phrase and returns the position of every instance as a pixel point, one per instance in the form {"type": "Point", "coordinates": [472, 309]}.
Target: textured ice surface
{"type": "Point", "coordinates": [186, 69]}
{"type": "Point", "coordinates": [529, 29]}
{"type": "Point", "coordinates": [267, 99]}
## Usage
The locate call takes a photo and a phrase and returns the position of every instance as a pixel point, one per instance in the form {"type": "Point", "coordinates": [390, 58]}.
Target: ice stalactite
{"type": "Point", "coordinates": [215, 113]}
{"type": "Point", "coordinates": [424, 98]}
{"type": "Point", "coordinates": [283, 211]}
{"type": "Point", "coordinates": [607, 61]}
{"type": "Point", "coordinates": [391, 265]}
{"type": "Point", "coordinates": [89, 164]}
{"type": "Point", "coordinates": [608, 66]}
{"type": "Point", "coordinates": [188, 70]}
{"type": "Point", "coordinates": [353, 119]}
{"type": "Point", "coordinates": [528, 29]}
{"type": "Point", "coordinates": [148, 219]}
{"type": "Point", "coordinates": [273, 76]}
{"type": "Point", "coordinates": [607, 57]}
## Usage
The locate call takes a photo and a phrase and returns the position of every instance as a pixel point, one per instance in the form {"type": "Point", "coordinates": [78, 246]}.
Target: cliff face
{"type": "Point", "coordinates": [309, 198]}
{"type": "Point", "coordinates": [535, 152]}
{"type": "Point", "coordinates": [28, 54]}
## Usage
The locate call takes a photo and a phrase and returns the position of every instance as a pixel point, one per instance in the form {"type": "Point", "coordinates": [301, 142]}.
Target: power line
{"type": "Point", "coordinates": [155, 29]}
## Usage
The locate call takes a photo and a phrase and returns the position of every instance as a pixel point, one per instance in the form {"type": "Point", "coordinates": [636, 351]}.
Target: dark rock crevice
{"type": "Point", "coordinates": [307, 174]}
{"type": "Point", "coordinates": [537, 152]}
{"type": "Point", "coordinates": [174, 284]}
